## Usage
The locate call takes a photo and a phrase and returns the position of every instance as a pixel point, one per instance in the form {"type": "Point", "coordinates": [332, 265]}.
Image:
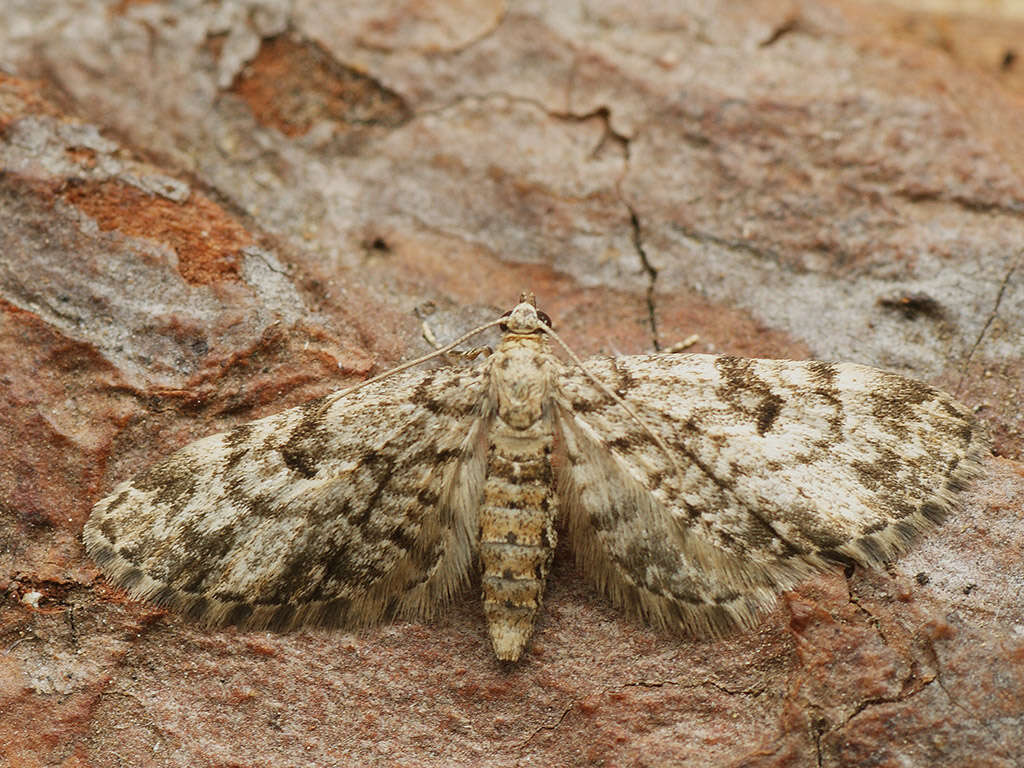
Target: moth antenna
{"type": "Point", "coordinates": [608, 391]}
{"type": "Point", "coordinates": [412, 363]}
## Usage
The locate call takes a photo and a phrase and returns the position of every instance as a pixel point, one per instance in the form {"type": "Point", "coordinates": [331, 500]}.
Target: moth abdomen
{"type": "Point", "coordinates": [517, 535]}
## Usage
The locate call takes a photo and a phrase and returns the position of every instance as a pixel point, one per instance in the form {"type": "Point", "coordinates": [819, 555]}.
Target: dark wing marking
{"type": "Point", "coordinates": [776, 468]}
{"type": "Point", "coordinates": [343, 511]}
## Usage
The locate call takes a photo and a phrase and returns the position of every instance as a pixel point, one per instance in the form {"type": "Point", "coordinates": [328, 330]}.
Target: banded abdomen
{"type": "Point", "coordinates": [517, 532]}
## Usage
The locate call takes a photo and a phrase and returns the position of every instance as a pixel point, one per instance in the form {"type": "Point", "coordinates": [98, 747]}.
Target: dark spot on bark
{"type": "Point", "coordinates": [511, 538]}
{"type": "Point", "coordinates": [912, 305]}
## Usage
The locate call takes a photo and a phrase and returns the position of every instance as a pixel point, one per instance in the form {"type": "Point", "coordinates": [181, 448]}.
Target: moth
{"type": "Point", "coordinates": [692, 488]}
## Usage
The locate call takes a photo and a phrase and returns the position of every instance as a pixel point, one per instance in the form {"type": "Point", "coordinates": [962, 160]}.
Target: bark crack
{"type": "Point", "coordinates": [988, 321]}
{"type": "Point", "coordinates": [652, 277]}
{"type": "Point", "coordinates": [551, 727]}
{"type": "Point", "coordinates": [742, 246]}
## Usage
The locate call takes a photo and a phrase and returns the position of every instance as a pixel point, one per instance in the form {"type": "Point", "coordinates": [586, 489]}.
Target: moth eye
{"type": "Point", "coordinates": [504, 326]}
{"type": "Point", "coordinates": [545, 319]}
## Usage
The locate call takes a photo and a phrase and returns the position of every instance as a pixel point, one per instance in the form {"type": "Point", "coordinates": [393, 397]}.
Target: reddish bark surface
{"type": "Point", "coordinates": [209, 215]}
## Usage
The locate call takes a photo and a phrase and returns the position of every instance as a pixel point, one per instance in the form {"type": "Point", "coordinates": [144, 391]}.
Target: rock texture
{"type": "Point", "coordinates": [210, 212]}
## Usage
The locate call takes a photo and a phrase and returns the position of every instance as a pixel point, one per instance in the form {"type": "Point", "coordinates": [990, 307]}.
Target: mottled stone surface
{"type": "Point", "coordinates": [210, 212]}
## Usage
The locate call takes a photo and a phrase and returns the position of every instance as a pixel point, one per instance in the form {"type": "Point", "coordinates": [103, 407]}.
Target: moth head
{"type": "Point", "coordinates": [525, 318]}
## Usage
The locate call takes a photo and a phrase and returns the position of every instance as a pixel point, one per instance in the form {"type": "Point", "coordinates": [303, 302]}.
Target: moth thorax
{"type": "Point", "coordinates": [517, 533]}
{"type": "Point", "coordinates": [520, 375]}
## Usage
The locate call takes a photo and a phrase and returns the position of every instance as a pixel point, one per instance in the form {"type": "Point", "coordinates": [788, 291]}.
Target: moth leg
{"type": "Point", "coordinates": [462, 355]}
{"type": "Point", "coordinates": [474, 353]}
{"type": "Point", "coordinates": [680, 346]}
